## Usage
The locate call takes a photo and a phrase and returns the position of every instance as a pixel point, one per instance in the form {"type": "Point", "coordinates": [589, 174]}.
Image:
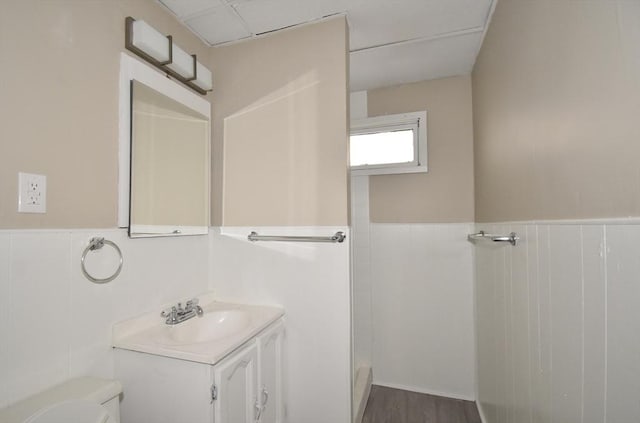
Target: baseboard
{"type": "Point", "coordinates": [483, 417]}
{"type": "Point", "coordinates": [362, 389]}
{"type": "Point", "coordinates": [425, 391]}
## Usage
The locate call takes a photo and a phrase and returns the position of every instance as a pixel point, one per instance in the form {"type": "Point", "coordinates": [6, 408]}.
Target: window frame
{"type": "Point", "coordinates": [417, 121]}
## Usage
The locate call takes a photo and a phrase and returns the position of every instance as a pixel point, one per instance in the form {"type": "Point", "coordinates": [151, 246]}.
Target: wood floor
{"type": "Point", "coordinates": [388, 405]}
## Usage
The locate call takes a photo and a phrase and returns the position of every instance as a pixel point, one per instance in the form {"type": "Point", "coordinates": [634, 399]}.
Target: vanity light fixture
{"type": "Point", "coordinates": [148, 43]}
{"type": "Point", "coordinates": [159, 50]}
{"type": "Point", "coordinates": [182, 63]}
{"type": "Point", "coordinates": [203, 77]}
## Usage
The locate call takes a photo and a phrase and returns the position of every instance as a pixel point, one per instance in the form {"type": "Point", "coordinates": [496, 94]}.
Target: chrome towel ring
{"type": "Point", "coordinates": [97, 243]}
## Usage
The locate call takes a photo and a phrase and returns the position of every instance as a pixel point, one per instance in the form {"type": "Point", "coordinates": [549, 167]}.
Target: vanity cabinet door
{"type": "Point", "coordinates": [235, 379]}
{"type": "Point", "coordinates": [270, 384]}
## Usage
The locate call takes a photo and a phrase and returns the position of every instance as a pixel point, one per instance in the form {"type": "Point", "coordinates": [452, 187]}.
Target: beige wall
{"type": "Point", "coordinates": [59, 62]}
{"type": "Point", "coordinates": [556, 103]}
{"type": "Point", "coordinates": [445, 192]}
{"type": "Point", "coordinates": [280, 123]}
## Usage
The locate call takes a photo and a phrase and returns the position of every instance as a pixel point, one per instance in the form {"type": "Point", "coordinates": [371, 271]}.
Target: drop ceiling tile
{"type": "Point", "coordinates": [185, 8]}
{"type": "Point", "coordinates": [378, 22]}
{"type": "Point", "coordinates": [413, 62]}
{"type": "Point", "coordinates": [218, 25]}
{"type": "Point", "coordinates": [372, 23]}
{"type": "Point", "coordinates": [268, 15]}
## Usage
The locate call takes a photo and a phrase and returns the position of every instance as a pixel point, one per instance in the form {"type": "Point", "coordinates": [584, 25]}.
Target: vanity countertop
{"type": "Point", "coordinates": [222, 328]}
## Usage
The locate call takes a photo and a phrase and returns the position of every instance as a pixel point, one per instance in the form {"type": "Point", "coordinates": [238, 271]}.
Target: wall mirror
{"type": "Point", "coordinates": [164, 155]}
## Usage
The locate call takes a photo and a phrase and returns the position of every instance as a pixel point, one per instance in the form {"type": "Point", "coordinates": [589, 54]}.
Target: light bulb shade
{"type": "Point", "coordinates": [182, 63]}
{"type": "Point", "coordinates": [151, 42]}
{"type": "Point", "coordinates": [203, 80]}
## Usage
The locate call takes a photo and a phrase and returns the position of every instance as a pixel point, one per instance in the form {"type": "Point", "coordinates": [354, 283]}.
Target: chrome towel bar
{"type": "Point", "coordinates": [337, 237]}
{"type": "Point", "coordinates": [512, 238]}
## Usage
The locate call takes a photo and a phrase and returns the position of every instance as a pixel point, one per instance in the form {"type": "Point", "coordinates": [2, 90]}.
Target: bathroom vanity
{"type": "Point", "coordinates": [223, 367]}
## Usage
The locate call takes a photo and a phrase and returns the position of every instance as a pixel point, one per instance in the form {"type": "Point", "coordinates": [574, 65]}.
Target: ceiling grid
{"type": "Point", "coordinates": [392, 41]}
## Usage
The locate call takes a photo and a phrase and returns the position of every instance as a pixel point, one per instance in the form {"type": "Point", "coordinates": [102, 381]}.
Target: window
{"type": "Point", "coordinates": [389, 144]}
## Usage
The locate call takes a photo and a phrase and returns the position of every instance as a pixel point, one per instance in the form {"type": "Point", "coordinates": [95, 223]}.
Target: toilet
{"type": "Point", "coordinates": [81, 400]}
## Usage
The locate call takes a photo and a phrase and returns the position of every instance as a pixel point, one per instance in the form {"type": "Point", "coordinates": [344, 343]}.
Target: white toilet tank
{"type": "Point", "coordinates": [81, 400]}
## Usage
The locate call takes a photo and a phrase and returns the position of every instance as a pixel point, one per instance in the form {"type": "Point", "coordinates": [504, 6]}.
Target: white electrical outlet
{"type": "Point", "coordinates": [32, 193]}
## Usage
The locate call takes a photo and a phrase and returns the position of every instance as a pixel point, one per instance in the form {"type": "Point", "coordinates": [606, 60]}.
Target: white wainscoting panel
{"type": "Point", "coordinates": [623, 324]}
{"type": "Point", "coordinates": [311, 281]}
{"type": "Point", "coordinates": [594, 340]}
{"type": "Point", "coordinates": [565, 295]}
{"type": "Point", "coordinates": [361, 288]}
{"type": "Point", "coordinates": [361, 267]}
{"type": "Point", "coordinates": [557, 323]}
{"type": "Point", "coordinates": [5, 248]}
{"type": "Point", "coordinates": [423, 330]}
{"type": "Point", "coordinates": [39, 312]}
{"type": "Point", "coordinates": [56, 324]}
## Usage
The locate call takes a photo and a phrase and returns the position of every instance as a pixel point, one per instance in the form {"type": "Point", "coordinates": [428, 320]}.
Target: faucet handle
{"type": "Point", "coordinates": [192, 304]}
{"type": "Point", "coordinates": [168, 312]}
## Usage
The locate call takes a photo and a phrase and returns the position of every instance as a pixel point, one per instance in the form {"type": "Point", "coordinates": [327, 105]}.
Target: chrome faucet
{"type": "Point", "coordinates": [178, 314]}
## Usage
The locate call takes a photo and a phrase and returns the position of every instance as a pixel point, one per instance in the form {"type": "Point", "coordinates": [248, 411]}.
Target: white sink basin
{"type": "Point", "coordinates": [213, 325]}
{"type": "Point", "coordinates": [222, 328]}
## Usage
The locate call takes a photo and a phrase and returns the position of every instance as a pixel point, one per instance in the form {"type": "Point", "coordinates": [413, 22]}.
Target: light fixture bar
{"type": "Point", "coordinates": [143, 40]}
{"type": "Point", "coordinates": [203, 77]}
{"type": "Point", "coordinates": [182, 63]}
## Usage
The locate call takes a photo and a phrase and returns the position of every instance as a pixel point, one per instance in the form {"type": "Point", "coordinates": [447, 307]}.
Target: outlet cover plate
{"type": "Point", "coordinates": [32, 193]}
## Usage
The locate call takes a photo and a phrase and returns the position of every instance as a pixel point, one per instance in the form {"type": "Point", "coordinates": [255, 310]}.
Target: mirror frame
{"type": "Point", "coordinates": [133, 69]}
